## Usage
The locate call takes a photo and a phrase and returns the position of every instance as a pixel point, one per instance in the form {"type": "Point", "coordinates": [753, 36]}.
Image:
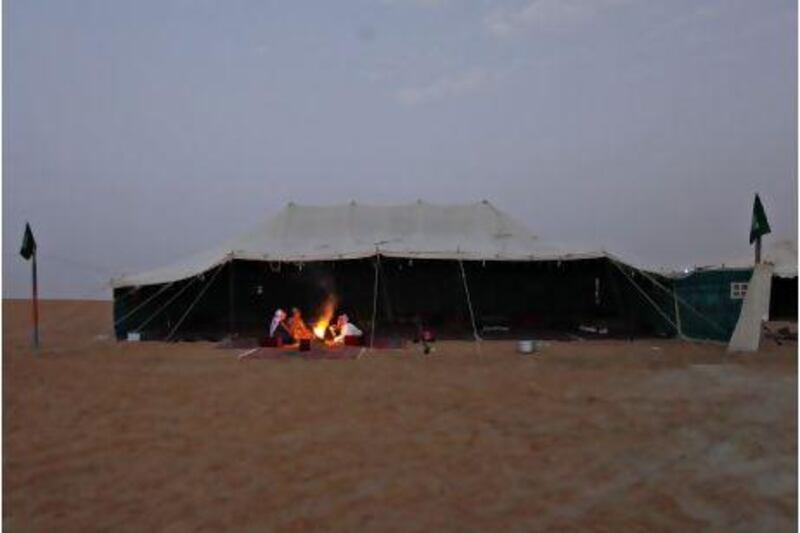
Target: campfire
{"type": "Point", "coordinates": [326, 314]}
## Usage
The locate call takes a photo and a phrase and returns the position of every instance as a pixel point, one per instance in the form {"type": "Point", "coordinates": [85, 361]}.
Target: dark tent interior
{"type": "Point", "coordinates": [546, 299]}
{"type": "Point", "coordinates": [783, 299]}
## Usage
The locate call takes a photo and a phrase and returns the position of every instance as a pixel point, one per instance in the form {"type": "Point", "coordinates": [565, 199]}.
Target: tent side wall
{"type": "Point", "coordinates": [541, 298]}
{"type": "Point", "coordinates": [557, 297]}
{"type": "Point", "coordinates": [715, 306]}
{"type": "Point", "coordinates": [646, 300]}
{"type": "Point", "coordinates": [154, 310]}
{"type": "Point", "coordinates": [240, 299]}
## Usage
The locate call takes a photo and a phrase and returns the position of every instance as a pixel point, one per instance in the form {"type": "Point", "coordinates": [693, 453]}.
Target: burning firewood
{"type": "Point", "coordinates": [326, 314]}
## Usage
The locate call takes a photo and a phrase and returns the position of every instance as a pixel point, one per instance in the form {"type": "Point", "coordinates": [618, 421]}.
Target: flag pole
{"type": "Point", "coordinates": [758, 249]}
{"type": "Point", "coordinates": [28, 252]}
{"type": "Point", "coordinates": [759, 226]}
{"type": "Point", "coordinates": [35, 304]}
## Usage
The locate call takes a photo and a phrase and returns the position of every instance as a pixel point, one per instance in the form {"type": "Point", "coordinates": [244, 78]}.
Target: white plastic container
{"type": "Point", "coordinates": [134, 336]}
{"type": "Point", "coordinates": [526, 346]}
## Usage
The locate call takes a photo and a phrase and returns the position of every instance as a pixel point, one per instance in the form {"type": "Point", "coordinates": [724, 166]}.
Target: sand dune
{"type": "Point", "coordinates": [585, 436]}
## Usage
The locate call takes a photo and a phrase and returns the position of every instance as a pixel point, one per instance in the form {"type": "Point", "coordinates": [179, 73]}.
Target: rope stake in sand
{"type": "Point", "coordinates": [247, 353]}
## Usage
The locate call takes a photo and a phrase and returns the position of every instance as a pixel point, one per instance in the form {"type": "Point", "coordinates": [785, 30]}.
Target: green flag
{"type": "Point", "coordinates": [28, 243]}
{"type": "Point", "coordinates": [759, 225]}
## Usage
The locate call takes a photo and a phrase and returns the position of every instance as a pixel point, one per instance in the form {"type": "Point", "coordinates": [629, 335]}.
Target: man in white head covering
{"type": "Point", "coordinates": [345, 328]}
{"type": "Point", "coordinates": [278, 328]}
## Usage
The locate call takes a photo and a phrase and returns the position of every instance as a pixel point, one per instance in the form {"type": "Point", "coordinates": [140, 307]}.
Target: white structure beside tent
{"type": "Point", "coordinates": [755, 311]}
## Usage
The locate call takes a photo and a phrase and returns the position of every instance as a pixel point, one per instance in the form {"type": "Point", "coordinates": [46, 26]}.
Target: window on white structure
{"type": "Point", "coordinates": [738, 290]}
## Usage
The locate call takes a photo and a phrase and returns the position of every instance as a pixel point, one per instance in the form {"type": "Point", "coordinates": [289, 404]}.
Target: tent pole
{"type": "Point", "coordinates": [231, 300]}
{"type": "Point", "coordinates": [35, 301]}
{"type": "Point", "coordinates": [374, 302]}
{"type": "Point", "coordinates": [384, 287]}
{"type": "Point", "coordinates": [758, 249]}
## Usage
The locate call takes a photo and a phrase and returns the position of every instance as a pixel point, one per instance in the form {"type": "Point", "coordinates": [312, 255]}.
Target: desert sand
{"type": "Point", "coordinates": [651, 435]}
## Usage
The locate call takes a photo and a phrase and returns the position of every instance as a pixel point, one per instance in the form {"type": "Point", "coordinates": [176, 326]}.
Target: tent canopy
{"type": "Point", "coordinates": [477, 231]}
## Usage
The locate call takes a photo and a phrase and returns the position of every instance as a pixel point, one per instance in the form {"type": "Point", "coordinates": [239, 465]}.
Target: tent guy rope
{"type": "Point", "coordinates": [175, 296]}
{"type": "Point", "coordinates": [681, 300]}
{"type": "Point", "coordinates": [647, 296]}
{"type": "Point", "coordinates": [194, 302]}
{"type": "Point", "coordinates": [469, 301]}
{"type": "Point", "coordinates": [141, 305]}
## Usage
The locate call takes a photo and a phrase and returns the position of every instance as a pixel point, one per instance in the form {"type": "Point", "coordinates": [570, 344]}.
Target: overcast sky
{"type": "Point", "coordinates": [137, 132]}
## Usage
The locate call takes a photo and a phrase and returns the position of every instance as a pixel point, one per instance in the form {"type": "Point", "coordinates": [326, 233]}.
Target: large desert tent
{"type": "Point", "coordinates": [462, 269]}
{"type": "Point", "coordinates": [355, 231]}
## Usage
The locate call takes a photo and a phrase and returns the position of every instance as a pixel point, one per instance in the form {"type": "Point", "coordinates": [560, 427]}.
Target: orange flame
{"type": "Point", "coordinates": [321, 324]}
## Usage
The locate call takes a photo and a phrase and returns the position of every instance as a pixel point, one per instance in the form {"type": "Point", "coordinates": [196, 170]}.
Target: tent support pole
{"type": "Point", "coordinates": [387, 301]}
{"type": "Point", "coordinates": [758, 249]}
{"type": "Point", "coordinates": [35, 302]}
{"type": "Point", "coordinates": [374, 302]}
{"type": "Point", "coordinates": [231, 300]}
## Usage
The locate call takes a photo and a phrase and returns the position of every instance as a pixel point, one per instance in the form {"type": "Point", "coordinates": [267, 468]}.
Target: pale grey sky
{"type": "Point", "coordinates": [136, 132]}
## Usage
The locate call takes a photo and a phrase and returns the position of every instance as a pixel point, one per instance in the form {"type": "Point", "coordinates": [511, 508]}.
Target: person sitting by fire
{"type": "Point", "coordinates": [278, 329]}
{"type": "Point", "coordinates": [344, 328]}
{"type": "Point", "coordinates": [298, 328]}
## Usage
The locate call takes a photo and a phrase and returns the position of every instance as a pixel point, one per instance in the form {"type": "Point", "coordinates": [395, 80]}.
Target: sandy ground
{"type": "Point", "coordinates": [585, 436]}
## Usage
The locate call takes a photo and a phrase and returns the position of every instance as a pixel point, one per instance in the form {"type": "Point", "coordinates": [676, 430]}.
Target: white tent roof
{"type": "Point", "coordinates": [297, 233]}
{"type": "Point", "coordinates": [782, 254]}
